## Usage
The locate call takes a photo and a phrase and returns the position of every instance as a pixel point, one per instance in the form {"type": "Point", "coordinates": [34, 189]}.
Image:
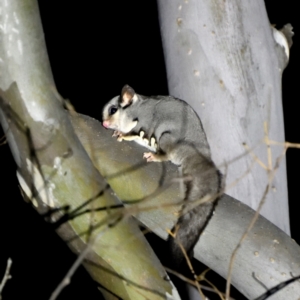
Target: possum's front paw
{"type": "Point", "coordinates": [149, 156]}
{"type": "Point", "coordinates": [118, 135]}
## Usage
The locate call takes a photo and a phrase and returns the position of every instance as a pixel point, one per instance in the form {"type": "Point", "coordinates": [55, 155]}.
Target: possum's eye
{"type": "Point", "coordinates": [112, 110]}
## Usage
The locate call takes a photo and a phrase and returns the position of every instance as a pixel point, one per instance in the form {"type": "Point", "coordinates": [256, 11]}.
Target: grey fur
{"type": "Point", "coordinates": [180, 138]}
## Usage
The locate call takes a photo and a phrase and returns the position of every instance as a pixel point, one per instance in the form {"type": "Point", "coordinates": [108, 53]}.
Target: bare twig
{"type": "Point", "coordinates": [277, 288]}
{"type": "Point", "coordinates": [271, 173]}
{"type": "Point", "coordinates": [6, 276]}
{"type": "Point", "coordinates": [67, 279]}
{"type": "Point", "coordinates": [3, 140]}
{"type": "Point", "coordinates": [191, 282]}
{"type": "Point", "coordinates": [202, 277]}
{"type": "Point", "coordinates": [188, 263]}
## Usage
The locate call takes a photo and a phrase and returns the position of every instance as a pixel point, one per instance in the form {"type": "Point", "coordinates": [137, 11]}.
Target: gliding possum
{"type": "Point", "coordinates": [172, 130]}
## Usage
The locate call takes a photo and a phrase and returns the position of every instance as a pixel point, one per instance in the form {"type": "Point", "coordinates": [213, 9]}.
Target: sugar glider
{"type": "Point", "coordinates": [173, 131]}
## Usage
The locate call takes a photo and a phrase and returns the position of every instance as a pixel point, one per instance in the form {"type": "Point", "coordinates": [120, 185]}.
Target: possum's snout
{"type": "Point", "coordinates": [105, 124]}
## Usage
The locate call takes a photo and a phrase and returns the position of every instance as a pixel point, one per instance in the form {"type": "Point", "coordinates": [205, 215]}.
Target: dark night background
{"type": "Point", "coordinates": [94, 49]}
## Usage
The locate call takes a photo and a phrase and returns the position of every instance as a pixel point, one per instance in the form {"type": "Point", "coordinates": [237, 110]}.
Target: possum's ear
{"type": "Point", "coordinates": [128, 96]}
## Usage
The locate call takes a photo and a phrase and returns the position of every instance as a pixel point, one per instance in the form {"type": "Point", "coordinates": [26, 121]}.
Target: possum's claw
{"type": "Point", "coordinates": [149, 156]}
{"type": "Point", "coordinates": [118, 135]}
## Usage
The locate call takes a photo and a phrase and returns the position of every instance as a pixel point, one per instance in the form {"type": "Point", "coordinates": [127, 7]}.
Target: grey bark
{"type": "Point", "coordinates": [222, 58]}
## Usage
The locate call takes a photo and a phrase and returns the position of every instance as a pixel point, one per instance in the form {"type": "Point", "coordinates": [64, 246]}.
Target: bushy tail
{"type": "Point", "coordinates": [204, 186]}
{"type": "Point", "coordinates": [188, 230]}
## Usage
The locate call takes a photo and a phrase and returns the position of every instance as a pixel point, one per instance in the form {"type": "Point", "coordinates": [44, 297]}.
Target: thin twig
{"type": "Point", "coordinates": [3, 140]}
{"type": "Point", "coordinates": [67, 279]}
{"type": "Point", "coordinates": [197, 285]}
{"type": "Point", "coordinates": [202, 277]}
{"type": "Point", "coordinates": [271, 174]}
{"type": "Point", "coordinates": [6, 276]}
{"type": "Point", "coordinates": [277, 288]}
{"type": "Point", "coordinates": [191, 282]}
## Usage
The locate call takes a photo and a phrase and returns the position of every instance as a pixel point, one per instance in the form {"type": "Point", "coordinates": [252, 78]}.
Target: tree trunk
{"type": "Point", "coordinates": [55, 172]}
{"type": "Point", "coordinates": [221, 57]}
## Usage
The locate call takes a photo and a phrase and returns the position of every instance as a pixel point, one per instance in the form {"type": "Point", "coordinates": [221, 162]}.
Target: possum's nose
{"type": "Point", "coordinates": [105, 124]}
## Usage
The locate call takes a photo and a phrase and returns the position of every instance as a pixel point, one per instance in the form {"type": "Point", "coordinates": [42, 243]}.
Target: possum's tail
{"type": "Point", "coordinates": [205, 185]}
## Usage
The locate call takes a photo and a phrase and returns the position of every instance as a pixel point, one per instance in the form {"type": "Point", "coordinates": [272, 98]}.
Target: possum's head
{"type": "Point", "coordinates": [118, 114]}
